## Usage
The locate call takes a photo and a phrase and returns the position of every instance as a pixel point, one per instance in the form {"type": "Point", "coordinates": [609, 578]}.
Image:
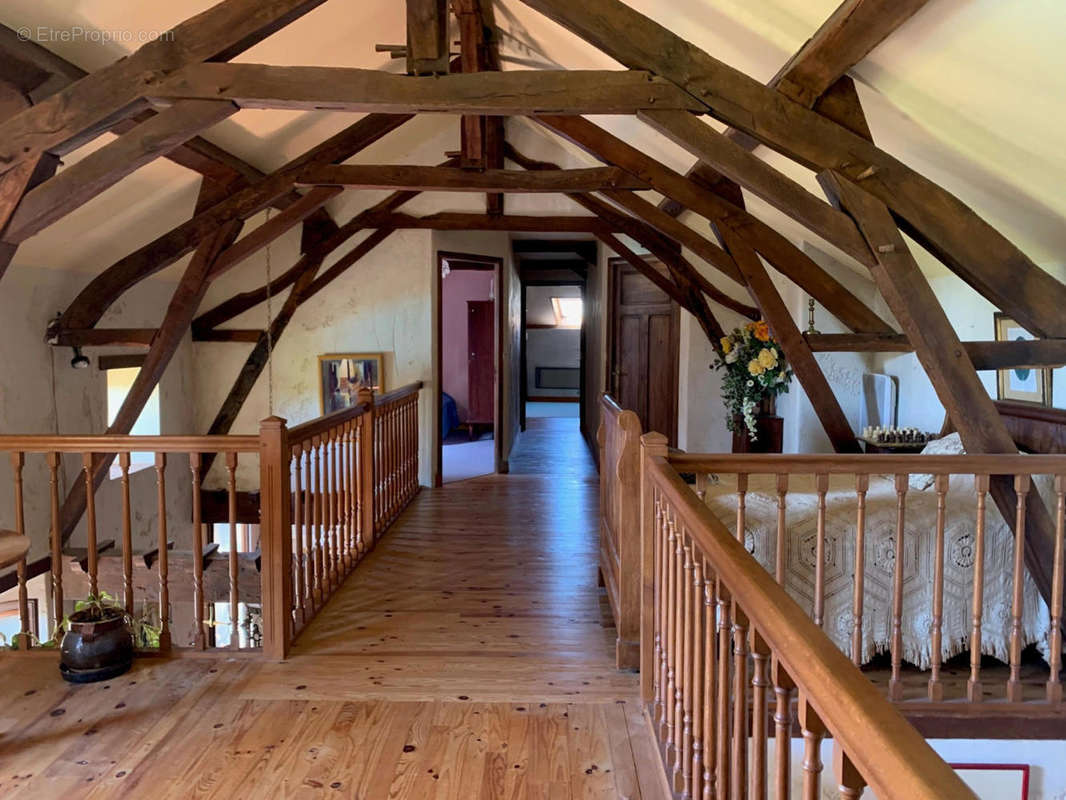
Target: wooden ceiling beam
{"type": "Point", "coordinates": [427, 37]}
{"type": "Point", "coordinates": [986, 356]}
{"type": "Point", "coordinates": [935, 218]}
{"type": "Point", "coordinates": [91, 303]}
{"type": "Point", "coordinates": [103, 168]}
{"type": "Point", "coordinates": [457, 221]}
{"type": "Point", "coordinates": [449, 179]}
{"type": "Point", "coordinates": [789, 259]}
{"type": "Point", "coordinates": [113, 92]}
{"type": "Point", "coordinates": [367, 90]}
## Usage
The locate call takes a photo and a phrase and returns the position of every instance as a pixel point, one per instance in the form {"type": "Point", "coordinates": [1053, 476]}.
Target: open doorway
{"type": "Point", "coordinates": [554, 320]}
{"type": "Point", "coordinates": [468, 366]}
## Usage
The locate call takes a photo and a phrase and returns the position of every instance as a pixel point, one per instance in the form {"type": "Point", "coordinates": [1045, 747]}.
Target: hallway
{"type": "Point", "coordinates": [466, 658]}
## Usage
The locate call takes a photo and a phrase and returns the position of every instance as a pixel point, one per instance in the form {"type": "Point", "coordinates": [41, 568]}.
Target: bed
{"type": "Point", "coordinates": [919, 546]}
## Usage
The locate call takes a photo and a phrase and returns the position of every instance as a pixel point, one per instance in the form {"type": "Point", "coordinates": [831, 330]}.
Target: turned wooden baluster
{"type": "Point", "coordinates": [329, 476]}
{"type": "Point", "coordinates": [742, 506]}
{"type": "Point", "coordinates": [936, 687]}
{"type": "Point", "coordinates": [813, 733]}
{"type": "Point", "coordinates": [862, 486]}
{"type": "Point", "coordinates": [710, 642]}
{"type": "Point", "coordinates": [849, 782]}
{"type": "Point", "coordinates": [687, 646]}
{"type": "Point", "coordinates": [349, 508]}
{"type": "Point", "coordinates": [196, 467]}
{"type": "Point", "coordinates": [667, 733]}
{"type": "Point", "coordinates": [163, 564]}
{"type": "Point", "coordinates": [722, 711]}
{"type": "Point", "coordinates": [782, 532]}
{"type": "Point", "coordinates": [320, 518]}
{"type": "Point", "coordinates": [234, 565]}
{"type": "Point", "coordinates": [297, 527]}
{"type": "Point", "coordinates": [973, 685]}
{"type": "Point", "coordinates": [90, 523]}
{"type": "Point", "coordinates": [895, 683]}
{"type": "Point", "coordinates": [127, 533]}
{"type": "Point", "coordinates": [739, 777]}
{"type": "Point", "coordinates": [338, 505]}
{"type": "Point", "coordinates": [678, 652]}
{"type": "Point", "coordinates": [357, 484]}
{"type": "Point", "coordinates": [314, 593]}
{"type": "Point", "coordinates": [659, 707]}
{"type": "Point", "coordinates": [822, 486]}
{"type": "Point", "coordinates": [1054, 684]}
{"type": "Point", "coordinates": [699, 624]}
{"type": "Point", "coordinates": [56, 537]}
{"type": "Point", "coordinates": [783, 688]}
{"type": "Point", "coordinates": [22, 640]}
{"type": "Point", "coordinates": [760, 684]}
{"type": "Point", "coordinates": [1014, 683]}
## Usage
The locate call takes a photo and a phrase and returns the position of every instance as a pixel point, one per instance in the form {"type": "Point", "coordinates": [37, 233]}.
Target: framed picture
{"type": "Point", "coordinates": [342, 375]}
{"type": "Point", "coordinates": [996, 781]}
{"type": "Point", "coordinates": [1020, 384]}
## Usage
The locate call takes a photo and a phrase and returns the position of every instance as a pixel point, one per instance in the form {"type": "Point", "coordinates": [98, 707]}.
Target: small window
{"type": "Point", "coordinates": [568, 311]}
{"type": "Point", "coordinates": [119, 383]}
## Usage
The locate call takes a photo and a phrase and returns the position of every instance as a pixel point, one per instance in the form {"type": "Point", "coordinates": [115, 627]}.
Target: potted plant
{"type": "Point", "coordinates": [756, 372]}
{"type": "Point", "coordinates": [98, 639]}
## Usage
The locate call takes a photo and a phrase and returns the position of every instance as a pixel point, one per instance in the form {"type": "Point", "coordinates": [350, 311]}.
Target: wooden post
{"type": "Point", "coordinates": [275, 537]}
{"type": "Point", "coordinates": [367, 478]}
{"type": "Point", "coordinates": [652, 445]}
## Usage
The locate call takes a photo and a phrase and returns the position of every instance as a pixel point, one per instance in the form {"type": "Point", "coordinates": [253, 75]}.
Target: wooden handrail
{"type": "Point", "coordinates": [315, 427]}
{"type": "Point", "coordinates": [396, 394]}
{"type": "Point", "coordinates": [773, 464]}
{"type": "Point", "coordinates": [108, 444]}
{"type": "Point", "coordinates": [889, 754]}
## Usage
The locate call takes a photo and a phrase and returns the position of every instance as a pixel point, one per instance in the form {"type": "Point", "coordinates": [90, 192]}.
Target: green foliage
{"type": "Point", "coordinates": [755, 369]}
{"type": "Point", "coordinates": [145, 628]}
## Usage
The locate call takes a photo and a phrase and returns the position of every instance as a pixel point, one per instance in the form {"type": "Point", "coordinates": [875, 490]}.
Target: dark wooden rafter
{"type": "Point", "coordinates": [1034, 353]}
{"type": "Point", "coordinates": [427, 37]}
{"type": "Point", "coordinates": [816, 72]}
{"type": "Point", "coordinates": [931, 215]}
{"type": "Point", "coordinates": [187, 297]}
{"type": "Point", "coordinates": [785, 256]}
{"type": "Point", "coordinates": [95, 102]}
{"type": "Point", "coordinates": [368, 90]}
{"type": "Point", "coordinates": [460, 221]}
{"type": "Point", "coordinates": [14, 185]}
{"type": "Point", "coordinates": [945, 360]}
{"type": "Point", "coordinates": [87, 308]}
{"type": "Point", "coordinates": [448, 179]}
{"type": "Point", "coordinates": [797, 351]}
{"type": "Point", "coordinates": [103, 168]}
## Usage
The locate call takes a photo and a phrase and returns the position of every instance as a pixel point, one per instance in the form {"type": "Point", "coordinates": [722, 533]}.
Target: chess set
{"type": "Point", "coordinates": [892, 436]}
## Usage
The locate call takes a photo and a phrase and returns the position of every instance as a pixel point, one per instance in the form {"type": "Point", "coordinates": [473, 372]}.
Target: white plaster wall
{"type": "Point", "coordinates": [40, 393]}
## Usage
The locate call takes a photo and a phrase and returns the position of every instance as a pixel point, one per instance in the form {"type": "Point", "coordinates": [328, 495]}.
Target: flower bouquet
{"type": "Point", "coordinates": [755, 371]}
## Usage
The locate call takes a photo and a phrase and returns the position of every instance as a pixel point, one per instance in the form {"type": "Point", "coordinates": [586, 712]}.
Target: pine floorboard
{"type": "Point", "coordinates": [468, 657]}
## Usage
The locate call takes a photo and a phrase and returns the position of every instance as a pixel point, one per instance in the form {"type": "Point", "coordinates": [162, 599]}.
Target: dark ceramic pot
{"type": "Point", "coordinates": [95, 650]}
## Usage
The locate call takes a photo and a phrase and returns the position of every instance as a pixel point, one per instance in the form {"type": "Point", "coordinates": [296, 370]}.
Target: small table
{"type": "Point", "coordinates": [881, 448]}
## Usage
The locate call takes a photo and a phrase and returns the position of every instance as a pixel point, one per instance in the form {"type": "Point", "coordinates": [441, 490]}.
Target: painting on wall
{"type": "Point", "coordinates": [342, 375]}
{"type": "Point", "coordinates": [1021, 384]}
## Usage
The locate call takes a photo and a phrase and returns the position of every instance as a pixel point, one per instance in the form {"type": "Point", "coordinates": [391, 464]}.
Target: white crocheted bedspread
{"type": "Point", "coordinates": [918, 549]}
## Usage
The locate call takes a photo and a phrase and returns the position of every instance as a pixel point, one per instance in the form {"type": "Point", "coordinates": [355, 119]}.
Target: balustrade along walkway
{"type": "Point", "coordinates": [468, 656]}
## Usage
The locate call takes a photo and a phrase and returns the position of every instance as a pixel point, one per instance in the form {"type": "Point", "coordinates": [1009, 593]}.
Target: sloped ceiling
{"type": "Point", "coordinates": [968, 92]}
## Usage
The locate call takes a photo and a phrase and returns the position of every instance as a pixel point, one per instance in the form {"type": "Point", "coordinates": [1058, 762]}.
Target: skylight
{"type": "Point", "coordinates": [568, 311]}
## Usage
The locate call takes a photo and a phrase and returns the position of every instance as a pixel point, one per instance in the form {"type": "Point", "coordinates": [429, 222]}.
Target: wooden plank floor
{"type": "Point", "coordinates": [466, 658]}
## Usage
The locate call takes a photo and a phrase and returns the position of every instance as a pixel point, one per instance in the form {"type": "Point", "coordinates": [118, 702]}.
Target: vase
{"type": "Point", "coordinates": [769, 430]}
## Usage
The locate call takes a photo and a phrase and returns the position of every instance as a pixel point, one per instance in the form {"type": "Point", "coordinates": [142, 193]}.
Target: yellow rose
{"type": "Point", "coordinates": [767, 358]}
{"type": "Point", "coordinates": [755, 368]}
{"type": "Point", "coordinates": [727, 344]}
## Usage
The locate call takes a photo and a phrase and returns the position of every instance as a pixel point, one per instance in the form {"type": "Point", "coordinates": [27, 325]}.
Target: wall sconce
{"type": "Point", "coordinates": [79, 361]}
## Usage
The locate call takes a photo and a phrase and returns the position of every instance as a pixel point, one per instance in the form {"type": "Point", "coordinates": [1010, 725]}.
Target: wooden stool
{"type": "Point", "coordinates": [13, 548]}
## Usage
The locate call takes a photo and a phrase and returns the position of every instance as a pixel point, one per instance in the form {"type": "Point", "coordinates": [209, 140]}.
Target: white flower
{"type": "Point", "coordinates": [751, 383]}
{"type": "Point", "coordinates": [732, 356]}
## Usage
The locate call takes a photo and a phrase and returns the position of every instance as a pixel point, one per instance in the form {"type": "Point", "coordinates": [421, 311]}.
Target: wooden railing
{"type": "Point", "coordinates": [619, 442]}
{"type": "Point", "coordinates": [327, 491]}
{"type": "Point", "coordinates": [351, 473]}
{"type": "Point", "coordinates": [105, 525]}
{"type": "Point", "coordinates": [718, 633]}
{"type": "Point", "coordinates": [945, 474]}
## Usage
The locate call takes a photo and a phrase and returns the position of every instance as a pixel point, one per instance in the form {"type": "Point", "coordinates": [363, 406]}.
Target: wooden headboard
{"type": "Point", "coordinates": [1035, 429]}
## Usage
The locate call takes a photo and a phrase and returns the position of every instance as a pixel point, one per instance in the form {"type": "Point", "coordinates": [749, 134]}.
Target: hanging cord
{"type": "Point", "coordinates": [269, 332]}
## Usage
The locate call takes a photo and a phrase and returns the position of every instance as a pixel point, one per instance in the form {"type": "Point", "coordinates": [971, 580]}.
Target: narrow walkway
{"type": "Point", "coordinates": [466, 659]}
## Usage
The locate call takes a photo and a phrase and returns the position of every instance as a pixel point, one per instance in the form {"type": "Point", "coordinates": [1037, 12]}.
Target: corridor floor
{"type": "Point", "coordinates": [466, 658]}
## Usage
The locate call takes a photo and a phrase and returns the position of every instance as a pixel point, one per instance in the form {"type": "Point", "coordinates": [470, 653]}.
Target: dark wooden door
{"type": "Point", "coordinates": [481, 359]}
{"type": "Point", "coordinates": [643, 351]}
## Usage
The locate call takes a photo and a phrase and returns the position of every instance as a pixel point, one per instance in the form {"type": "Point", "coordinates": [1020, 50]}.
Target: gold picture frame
{"type": "Point", "coordinates": [1020, 384]}
{"type": "Point", "coordinates": [341, 375]}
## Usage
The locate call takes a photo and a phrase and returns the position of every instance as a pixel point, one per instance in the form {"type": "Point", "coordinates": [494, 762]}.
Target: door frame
{"type": "Point", "coordinates": [467, 261]}
{"type": "Point", "coordinates": [611, 330]}
{"type": "Point", "coordinates": [581, 399]}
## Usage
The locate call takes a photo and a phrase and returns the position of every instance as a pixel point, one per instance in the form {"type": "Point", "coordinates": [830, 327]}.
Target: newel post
{"type": "Point", "coordinates": [275, 537]}
{"type": "Point", "coordinates": [652, 445]}
{"type": "Point", "coordinates": [367, 478]}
